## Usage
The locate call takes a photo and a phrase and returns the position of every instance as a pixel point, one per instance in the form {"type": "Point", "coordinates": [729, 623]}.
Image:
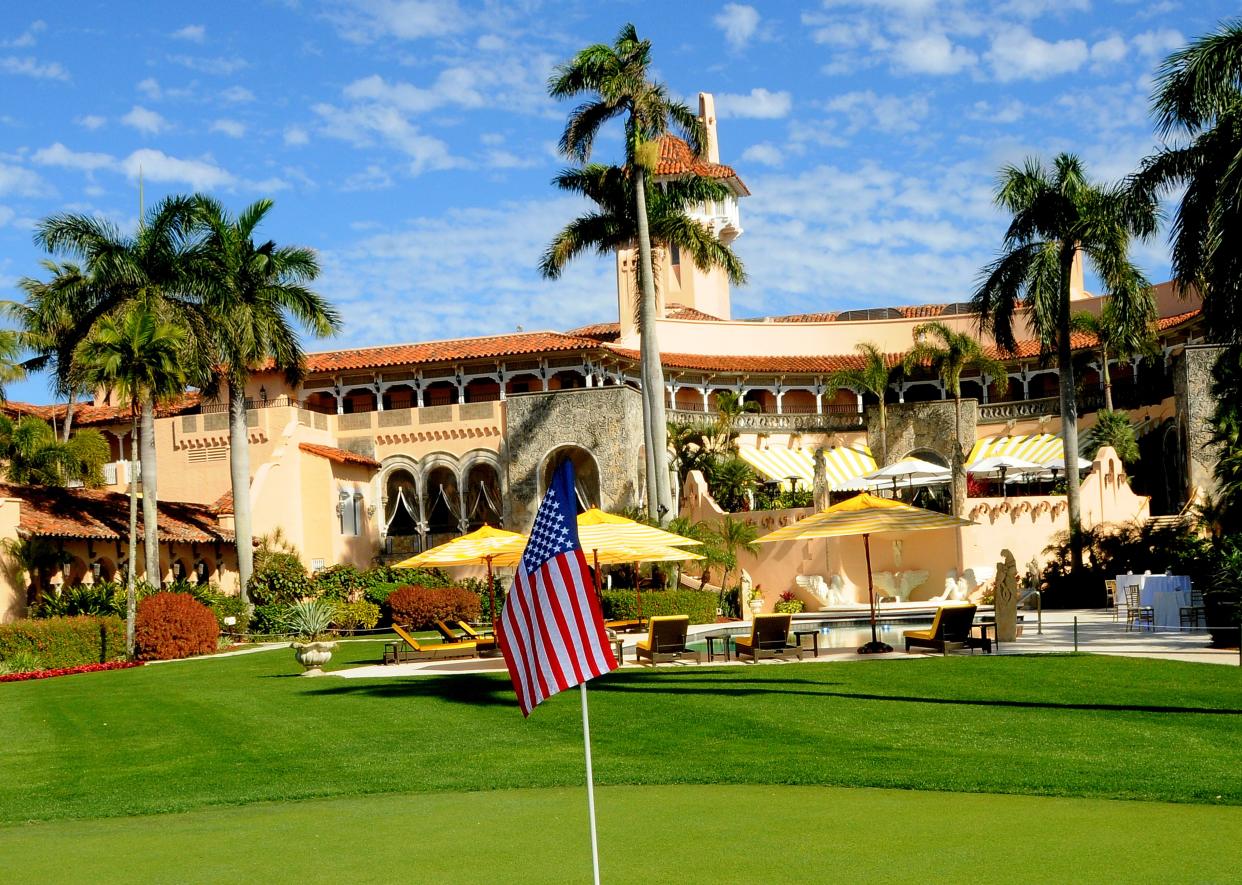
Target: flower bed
{"type": "Point", "coordinates": [69, 671]}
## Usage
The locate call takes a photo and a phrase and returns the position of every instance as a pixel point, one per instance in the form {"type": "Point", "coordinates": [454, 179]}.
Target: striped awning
{"type": "Point", "coordinates": [843, 464]}
{"type": "Point", "coordinates": [1039, 448]}
{"type": "Point", "coordinates": [865, 514]}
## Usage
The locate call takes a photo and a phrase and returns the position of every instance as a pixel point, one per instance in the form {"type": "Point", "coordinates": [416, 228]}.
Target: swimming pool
{"type": "Point", "coordinates": [836, 634]}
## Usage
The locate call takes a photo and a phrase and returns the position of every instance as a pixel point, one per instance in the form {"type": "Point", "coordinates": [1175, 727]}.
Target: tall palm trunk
{"type": "Point", "coordinates": [1107, 378]}
{"type": "Point", "coordinates": [957, 456]}
{"type": "Point", "coordinates": [661, 508]}
{"type": "Point", "coordinates": [150, 497]}
{"type": "Point", "coordinates": [64, 431]}
{"type": "Point", "coordinates": [131, 600]}
{"type": "Point", "coordinates": [239, 470]}
{"type": "Point", "coordinates": [1069, 417]}
{"type": "Point", "coordinates": [883, 433]}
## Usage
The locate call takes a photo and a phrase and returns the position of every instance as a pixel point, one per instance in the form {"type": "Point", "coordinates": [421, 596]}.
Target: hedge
{"type": "Point", "coordinates": [419, 607]}
{"type": "Point", "coordinates": [174, 625]}
{"type": "Point", "coordinates": [65, 642]}
{"type": "Point", "coordinates": [700, 606]}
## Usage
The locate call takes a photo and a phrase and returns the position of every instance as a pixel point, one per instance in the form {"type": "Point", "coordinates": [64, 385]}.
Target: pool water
{"type": "Point", "coordinates": [838, 634]}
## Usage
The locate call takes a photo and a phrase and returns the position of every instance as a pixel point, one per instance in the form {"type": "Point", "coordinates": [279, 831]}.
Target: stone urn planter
{"type": "Point", "coordinates": [313, 655]}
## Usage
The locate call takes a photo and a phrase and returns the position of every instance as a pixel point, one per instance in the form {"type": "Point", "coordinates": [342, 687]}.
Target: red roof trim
{"type": "Point", "coordinates": [339, 456]}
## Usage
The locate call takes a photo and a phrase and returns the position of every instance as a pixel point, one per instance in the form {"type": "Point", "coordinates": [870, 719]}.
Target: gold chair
{"type": "Point", "coordinates": [769, 638]}
{"type": "Point", "coordinates": [1136, 612]}
{"type": "Point", "coordinates": [950, 629]}
{"type": "Point", "coordinates": [410, 649]}
{"type": "Point", "coordinates": [1110, 595]}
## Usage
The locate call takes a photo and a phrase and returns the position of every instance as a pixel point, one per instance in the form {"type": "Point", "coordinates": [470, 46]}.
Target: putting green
{"type": "Point", "coordinates": [681, 834]}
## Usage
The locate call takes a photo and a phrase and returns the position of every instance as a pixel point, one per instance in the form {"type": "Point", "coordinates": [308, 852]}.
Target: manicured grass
{"type": "Point", "coordinates": [192, 734]}
{"type": "Point", "coordinates": [682, 834]}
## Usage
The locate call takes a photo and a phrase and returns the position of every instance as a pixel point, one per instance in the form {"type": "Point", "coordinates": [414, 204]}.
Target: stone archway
{"type": "Point", "coordinates": [402, 520]}
{"type": "Point", "coordinates": [586, 473]}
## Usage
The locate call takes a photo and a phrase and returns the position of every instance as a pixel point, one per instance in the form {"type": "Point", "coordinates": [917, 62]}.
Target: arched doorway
{"type": "Point", "coordinates": [401, 513]}
{"type": "Point", "coordinates": [443, 505]}
{"type": "Point", "coordinates": [586, 473]}
{"type": "Point", "coordinates": [483, 502]}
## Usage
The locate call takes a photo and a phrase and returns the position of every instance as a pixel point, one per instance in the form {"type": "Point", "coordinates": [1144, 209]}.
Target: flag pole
{"type": "Point", "coordinates": [590, 778]}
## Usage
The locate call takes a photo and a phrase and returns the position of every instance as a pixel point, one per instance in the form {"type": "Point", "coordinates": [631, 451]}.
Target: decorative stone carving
{"type": "Point", "coordinates": [1192, 386]}
{"type": "Point", "coordinates": [820, 490]}
{"type": "Point", "coordinates": [930, 427]}
{"type": "Point", "coordinates": [1005, 597]}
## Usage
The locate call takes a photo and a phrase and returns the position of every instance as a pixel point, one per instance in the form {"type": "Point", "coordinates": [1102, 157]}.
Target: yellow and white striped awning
{"type": "Point", "coordinates": [1039, 448]}
{"type": "Point", "coordinates": [843, 464]}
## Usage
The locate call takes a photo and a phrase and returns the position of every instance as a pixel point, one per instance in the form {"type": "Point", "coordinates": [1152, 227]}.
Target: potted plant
{"type": "Point", "coordinates": [789, 604]}
{"type": "Point", "coordinates": [309, 620]}
{"type": "Point", "coordinates": [756, 599]}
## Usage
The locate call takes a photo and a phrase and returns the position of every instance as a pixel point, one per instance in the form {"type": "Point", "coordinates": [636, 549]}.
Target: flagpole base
{"type": "Point", "coordinates": [875, 648]}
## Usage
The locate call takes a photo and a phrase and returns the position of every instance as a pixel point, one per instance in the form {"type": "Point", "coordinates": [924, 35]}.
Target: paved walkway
{"type": "Point", "coordinates": [1098, 633]}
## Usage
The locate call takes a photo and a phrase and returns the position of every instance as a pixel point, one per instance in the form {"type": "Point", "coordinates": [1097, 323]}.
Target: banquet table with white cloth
{"type": "Point", "coordinates": [1166, 594]}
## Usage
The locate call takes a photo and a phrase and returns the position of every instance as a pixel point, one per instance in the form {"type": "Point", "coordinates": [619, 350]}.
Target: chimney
{"type": "Point", "coordinates": [707, 113]}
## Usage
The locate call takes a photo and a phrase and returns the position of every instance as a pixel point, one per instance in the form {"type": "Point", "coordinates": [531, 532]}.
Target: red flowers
{"type": "Point", "coordinates": [69, 671]}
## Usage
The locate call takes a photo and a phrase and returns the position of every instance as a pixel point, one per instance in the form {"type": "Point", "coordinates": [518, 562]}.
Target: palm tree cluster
{"type": "Point", "coordinates": [190, 299]}
{"type": "Point", "coordinates": [632, 209]}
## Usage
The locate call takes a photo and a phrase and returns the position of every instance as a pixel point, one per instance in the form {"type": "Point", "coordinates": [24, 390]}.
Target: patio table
{"type": "Point", "coordinates": [1166, 594]}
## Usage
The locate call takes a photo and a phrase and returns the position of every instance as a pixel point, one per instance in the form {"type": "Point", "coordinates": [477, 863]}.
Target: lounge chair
{"type": "Point", "coordinates": [485, 640]}
{"type": "Point", "coordinates": [626, 625]}
{"type": "Point", "coordinates": [410, 649]}
{"type": "Point", "coordinates": [769, 638]}
{"type": "Point", "coordinates": [666, 641]}
{"type": "Point", "coordinates": [950, 629]}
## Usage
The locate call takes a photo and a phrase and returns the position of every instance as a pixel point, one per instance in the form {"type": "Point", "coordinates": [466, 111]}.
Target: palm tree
{"type": "Point", "coordinates": [139, 356]}
{"type": "Point", "coordinates": [950, 354]}
{"type": "Point", "coordinates": [254, 293]}
{"type": "Point", "coordinates": [1114, 429]}
{"type": "Point", "coordinates": [615, 225]}
{"type": "Point", "coordinates": [1058, 215]}
{"type": "Point", "coordinates": [1198, 100]}
{"type": "Point", "coordinates": [45, 320]}
{"type": "Point", "coordinates": [10, 349]}
{"type": "Point", "coordinates": [730, 407]}
{"type": "Point", "coordinates": [734, 536]}
{"type": "Point", "coordinates": [617, 79]}
{"type": "Point", "coordinates": [873, 376]}
{"type": "Point", "coordinates": [1118, 336]}
{"type": "Point", "coordinates": [33, 455]}
{"type": "Point", "coordinates": [152, 268]}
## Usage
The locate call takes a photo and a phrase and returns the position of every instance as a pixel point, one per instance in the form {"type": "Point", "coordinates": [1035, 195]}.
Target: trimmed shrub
{"type": "Point", "coordinates": [174, 625]}
{"type": "Point", "coordinates": [64, 642]}
{"type": "Point", "coordinates": [623, 604]}
{"type": "Point", "coordinates": [379, 593]}
{"type": "Point", "coordinates": [270, 620]}
{"type": "Point", "coordinates": [417, 577]}
{"type": "Point", "coordinates": [339, 583]}
{"type": "Point", "coordinates": [418, 607]}
{"type": "Point", "coordinates": [281, 579]}
{"type": "Point", "coordinates": [360, 615]}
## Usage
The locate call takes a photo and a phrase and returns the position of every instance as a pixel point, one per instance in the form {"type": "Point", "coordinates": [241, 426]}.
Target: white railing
{"type": "Point", "coordinates": [109, 473]}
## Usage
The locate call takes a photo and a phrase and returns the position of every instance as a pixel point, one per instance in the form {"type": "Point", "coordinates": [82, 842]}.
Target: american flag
{"type": "Point", "coordinates": [551, 631]}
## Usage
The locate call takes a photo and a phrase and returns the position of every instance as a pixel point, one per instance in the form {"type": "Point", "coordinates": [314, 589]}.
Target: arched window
{"type": "Point", "coordinates": [586, 473]}
{"type": "Point", "coordinates": [443, 502]}
{"type": "Point", "coordinates": [400, 504]}
{"type": "Point", "coordinates": [360, 399]}
{"type": "Point", "coordinates": [440, 393]}
{"type": "Point", "coordinates": [483, 504]}
{"type": "Point", "coordinates": [321, 401]}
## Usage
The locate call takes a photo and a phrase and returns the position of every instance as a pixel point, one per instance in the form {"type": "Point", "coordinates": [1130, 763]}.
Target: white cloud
{"type": "Point", "coordinates": [739, 23]}
{"type": "Point", "coordinates": [1010, 111]}
{"type": "Point", "coordinates": [219, 66]}
{"type": "Point", "coordinates": [28, 37]}
{"type": "Point", "coordinates": [144, 120]}
{"type": "Point", "coordinates": [1108, 51]}
{"type": "Point", "coordinates": [91, 121]}
{"type": "Point", "coordinates": [764, 153]}
{"type": "Point", "coordinates": [296, 136]}
{"type": "Point", "coordinates": [1017, 54]}
{"type": "Point", "coordinates": [231, 128]}
{"type": "Point", "coordinates": [372, 178]}
{"type": "Point", "coordinates": [150, 87]}
{"type": "Point", "coordinates": [85, 161]}
{"type": "Point", "coordinates": [758, 104]}
{"type": "Point", "coordinates": [21, 182]}
{"type": "Point", "coordinates": [158, 166]}
{"type": "Point", "coordinates": [363, 124]}
{"type": "Point", "coordinates": [364, 21]}
{"type": "Point", "coordinates": [191, 33]}
{"type": "Point", "coordinates": [456, 86]}
{"type": "Point", "coordinates": [931, 54]}
{"type": "Point", "coordinates": [29, 67]}
{"type": "Point", "coordinates": [1159, 42]}
{"type": "Point", "coordinates": [887, 113]}
{"type": "Point", "coordinates": [236, 95]}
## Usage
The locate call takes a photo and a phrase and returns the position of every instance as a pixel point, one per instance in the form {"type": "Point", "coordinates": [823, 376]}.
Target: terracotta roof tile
{"type": "Point", "coordinates": [1169, 322]}
{"type": "Point", "coordinates": [676, 158]}
{"type": "Point", "coordinates": [598, 331]}
{"type": "Point", "coordinates": [445, 351]}
{"type": "Point", "coordinates": [91, 513]}
{"type": "Point", "coordinates": [921, 311]}
{"type": "Point", "coordinates": [87, 415]}
{"type": "Point", "coordinates": [223, 505]}
{"type": "Point", "coordinates": [681, 312]}
{"type": "Point", "coordinates": [338, 456]}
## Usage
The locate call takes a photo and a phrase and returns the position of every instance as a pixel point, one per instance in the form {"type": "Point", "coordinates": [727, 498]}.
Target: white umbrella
{"type": "Point", "coordinates": [1059, 464]}
{"type": "Point", "coordinates": [1000, 465]}
{"type": "Point", "coordinates": [907, 469]}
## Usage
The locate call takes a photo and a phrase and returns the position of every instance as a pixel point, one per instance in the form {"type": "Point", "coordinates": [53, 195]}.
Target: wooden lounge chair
{"type": "Point", "coordinates": [410, 649]}
{"type": "Point", "coordinates": [950, 629]}
{"type": "Point", "coordinates": [486, 641]}
{"type": "Point", "coordinates": [769, 638]}
{"type": "Point", "coordinates": [626, 625]}
{"type": "Point", "coordinates": [666, 641]}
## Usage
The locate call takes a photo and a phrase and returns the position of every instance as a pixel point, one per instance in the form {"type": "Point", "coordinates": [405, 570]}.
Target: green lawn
{"type": "Point", "coordinates": [681, 834]}
{"type": "Point", "coordinates": [194, 734]}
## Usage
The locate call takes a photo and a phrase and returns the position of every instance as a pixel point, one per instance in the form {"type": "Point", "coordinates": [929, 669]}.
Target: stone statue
{"type": "Point", "coordinates": [820, 490]}
{"type": "Point", "coordinates": [1006, 597]}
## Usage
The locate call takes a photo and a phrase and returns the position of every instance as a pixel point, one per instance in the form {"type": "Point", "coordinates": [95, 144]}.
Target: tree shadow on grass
{"type": "Point", "coordinates": [491, 690]}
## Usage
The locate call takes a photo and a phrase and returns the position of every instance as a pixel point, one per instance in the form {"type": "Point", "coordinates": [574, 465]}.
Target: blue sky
{"type": "Point", "coordinates": [411, 141]}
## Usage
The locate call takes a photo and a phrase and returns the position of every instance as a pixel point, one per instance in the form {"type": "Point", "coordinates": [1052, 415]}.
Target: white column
{"type": "Point", "coordinates": [819, 401]}
{"type": "Point", "coordinates": [379, 395]}
{"type": "Point", "coordinates": [780, 401]}
{"type": "Point", "coordinates": [984, 381]}
{"type": "Point", "coordinates": [858, 398]}
{"type": "Point", "coordinates": [707, 406]}
{"type": "Point", "coordinates": [340, 397]}
{"type": "Point", "coordinates": [418, 390]}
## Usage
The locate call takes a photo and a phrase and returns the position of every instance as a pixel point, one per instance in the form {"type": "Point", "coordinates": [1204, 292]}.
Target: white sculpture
{"type": "Point", "coordinates": [900, 584]}
{"type": "Point", "coordinates": [955, 589]}
{"type": "Point", "coordinates": [829, 595]}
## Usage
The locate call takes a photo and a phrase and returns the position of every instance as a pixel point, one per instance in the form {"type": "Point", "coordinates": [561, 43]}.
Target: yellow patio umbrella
{"type": "Point", "coordinates": [480, 547]}
{"type": "Point", "coordinates": [865, 515]}
{"type": "Point", "coordinates": [640, 553]}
